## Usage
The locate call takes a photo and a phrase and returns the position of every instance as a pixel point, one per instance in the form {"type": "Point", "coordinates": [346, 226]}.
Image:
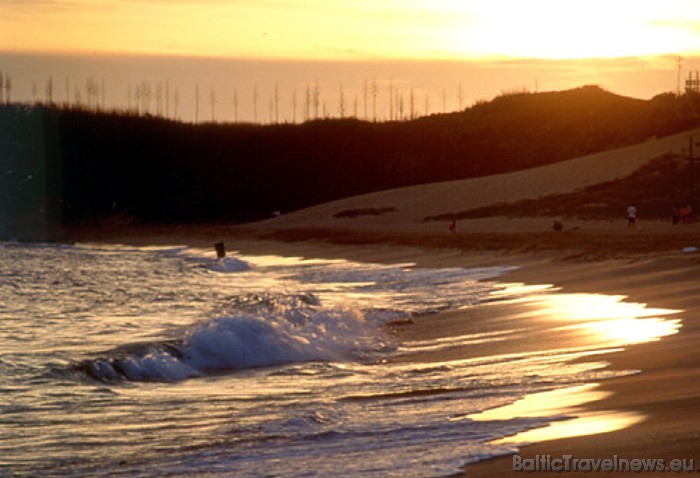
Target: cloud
{"type": "Point", "coordinates": [691, 25]}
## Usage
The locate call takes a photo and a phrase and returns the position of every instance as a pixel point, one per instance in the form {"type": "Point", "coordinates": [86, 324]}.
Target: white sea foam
{"type": "Point", "coordinates": [230, 264]}
{"type": "Point", "coordinates": [245, 341]}
{"type": "Point", "coordinates": [259, 331]}
{"type": "Point", "coordinates": [153, 364]}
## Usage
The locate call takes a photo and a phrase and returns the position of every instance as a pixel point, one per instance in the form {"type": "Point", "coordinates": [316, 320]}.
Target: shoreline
{"type": "Point", "coordinates": [666, 392]}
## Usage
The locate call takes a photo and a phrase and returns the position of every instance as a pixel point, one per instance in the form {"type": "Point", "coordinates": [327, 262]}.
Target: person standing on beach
{"type": "Point", "coordinates": [675, 215]}
{"type": "Point", "coordinates": [631, 216]}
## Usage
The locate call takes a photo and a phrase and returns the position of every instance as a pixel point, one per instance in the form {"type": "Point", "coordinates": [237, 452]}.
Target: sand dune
{"type": "Point", "coordinates": [412, 204]}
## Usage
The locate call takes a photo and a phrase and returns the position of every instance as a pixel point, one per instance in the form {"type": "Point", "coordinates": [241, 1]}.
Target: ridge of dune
{"type": "Point", "coordinates": [410, 205]}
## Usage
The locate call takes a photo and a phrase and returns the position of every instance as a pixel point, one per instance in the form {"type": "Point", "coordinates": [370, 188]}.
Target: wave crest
{"type": "Point", "coordinates": [258, 331]}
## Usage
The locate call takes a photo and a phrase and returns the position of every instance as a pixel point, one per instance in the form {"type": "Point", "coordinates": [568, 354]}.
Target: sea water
{"type": "Point", "coordinates": [146, 362]}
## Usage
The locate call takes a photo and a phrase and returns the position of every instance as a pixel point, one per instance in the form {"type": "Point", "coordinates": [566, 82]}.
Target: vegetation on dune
{"type": "Point", "coordinates": [370, 211]}
{"type": "Point", "coordinates": [655, 189]}
{"type": "Point", "coordinates": [158, 170]}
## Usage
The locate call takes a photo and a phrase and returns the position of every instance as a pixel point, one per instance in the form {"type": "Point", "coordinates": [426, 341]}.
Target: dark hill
{"type": "Point", "coordinates": [158, 170]}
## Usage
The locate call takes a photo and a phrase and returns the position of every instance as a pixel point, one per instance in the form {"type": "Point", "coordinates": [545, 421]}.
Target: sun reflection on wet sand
{"type": "Point", "coordinates": [596, 321]}
{"type": "Point", "coordinates": [565, 403]}
{"type": "Point", "coordinates": [630, 330]}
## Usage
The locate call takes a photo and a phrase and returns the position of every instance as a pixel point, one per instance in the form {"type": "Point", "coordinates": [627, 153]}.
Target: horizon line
{"type": "Point", "coordinates": [475, 59]}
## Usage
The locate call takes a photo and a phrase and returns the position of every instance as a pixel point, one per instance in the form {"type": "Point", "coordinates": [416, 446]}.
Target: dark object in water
{"type": "Point", "coordinates": [558, 225]}
{"type": "Point", "coordinates": [220, 250]}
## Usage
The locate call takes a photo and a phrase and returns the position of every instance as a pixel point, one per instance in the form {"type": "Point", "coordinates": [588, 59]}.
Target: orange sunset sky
{"type": "Point", "coordinates": [544, 44]}
{"type": "Point", "coordinates": [357, 29]}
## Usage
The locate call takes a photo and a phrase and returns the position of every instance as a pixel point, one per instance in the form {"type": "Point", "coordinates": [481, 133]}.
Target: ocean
{"type": "Point", "coordinates": [166, 361]}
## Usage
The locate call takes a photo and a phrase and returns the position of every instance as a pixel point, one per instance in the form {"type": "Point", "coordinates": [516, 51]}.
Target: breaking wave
{"type": "Point", "coordinates": [258, 330]}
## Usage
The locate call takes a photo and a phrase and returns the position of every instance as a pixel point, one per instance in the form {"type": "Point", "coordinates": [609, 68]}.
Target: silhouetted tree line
{"type": "Point", "coordinates": [154, 169]}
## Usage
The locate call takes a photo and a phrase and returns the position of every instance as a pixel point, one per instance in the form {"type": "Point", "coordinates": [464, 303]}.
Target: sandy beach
{"type": "Point", "coordinates": [654, 264]}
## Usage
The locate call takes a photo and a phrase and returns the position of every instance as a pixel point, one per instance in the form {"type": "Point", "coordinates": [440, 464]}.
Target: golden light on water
{"type": "Point", "coordinates": [589, 323]}
{"type": "Point", "coordinates": [609, 319]}
{"type": "Point", "coordinates": [582, 306]}
{"type": "Point", "coordinates": [597, 319]}
{"type": "Point", "coordinates": [565, 402]}
{"type": "Point", "coordinates": [585, 423]}
{"type": "Point", "coordinates": [540, 404]}
{"type": "Point", "coordinates": [631, 330]}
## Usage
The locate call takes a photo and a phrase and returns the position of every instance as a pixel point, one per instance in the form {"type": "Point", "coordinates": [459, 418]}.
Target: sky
{"type": "Point", "coordinates": [354, 29]}
{"type": "Point", "coordinates": [441, 54]}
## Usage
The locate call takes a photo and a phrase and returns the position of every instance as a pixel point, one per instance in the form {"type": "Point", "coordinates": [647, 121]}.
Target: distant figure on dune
{"type": "Point", "coordinates": [686, 214]}
{"type": "Point", "coordinates": [675, 215]}
{"type": "Point", "coordinates": [631, 216]}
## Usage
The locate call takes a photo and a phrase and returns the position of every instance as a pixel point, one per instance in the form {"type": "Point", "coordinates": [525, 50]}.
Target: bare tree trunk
{"type": "Point", "coordinates": [413, 105]}
{"type": "Point", "coordinates": [255, 103]}
{"type": "Point", "coordinates": [341, 101]}
{"type": "Point", "coordinates": [68, 92]}
{"type": "Point", "coordinates": [212, 102]}
{"type": "Point", "coordinates": [235, 105]}
{"type": "Point", "coordinates": [49, 91]}
{"type": "Point", "coordinates": [317, 98]}
{"type": "Point", "coordinates": [364, 99]}
{"type": "Point", "coordinates": [277, 103]}
{"type": "Point", "coordinates": [391, 99]}
{"type": "Point", "coordinates": [196, 103]}
{"type": "Point", "coordinates": [176, 101]}
{"type": "Point", "coordinates": [167, 99]}
{"type": "Point", "coordinates": [374, 99]}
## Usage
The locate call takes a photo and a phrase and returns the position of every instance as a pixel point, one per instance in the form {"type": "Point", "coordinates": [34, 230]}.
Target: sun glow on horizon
{"type": "Point", "coordinates": [555, 30]}
{"type": "Point", "coordinates": [363, 29]}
